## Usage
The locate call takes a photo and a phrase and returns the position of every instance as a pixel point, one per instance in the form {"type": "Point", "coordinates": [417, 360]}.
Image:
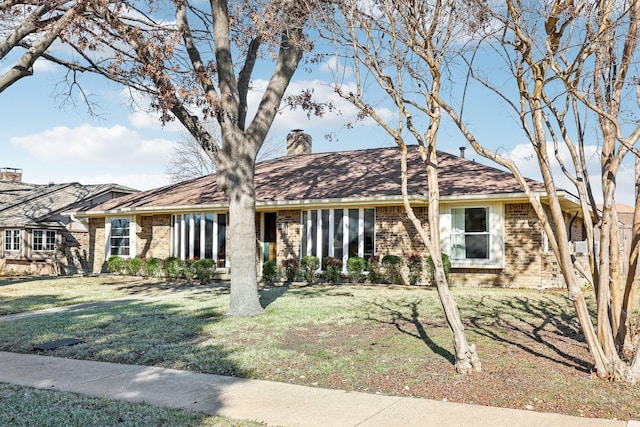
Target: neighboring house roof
{"type": "Point", "coordinates": [371, 175]}
{"type": "Point", "coordinates": [625, 213]}
{"type": "Point", "coordinates": [27, 205]}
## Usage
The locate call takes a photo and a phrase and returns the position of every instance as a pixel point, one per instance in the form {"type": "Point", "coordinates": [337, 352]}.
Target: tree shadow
{"type": "Point", "coordinates": [270, 293]}
{"type": "Point", "coordinates": [544, 317]}
{"type": "Point", "coordinates": [145, 286]}
{"type": "Point", "coordinates": [14, 280]}
{"type": "Point", "coordinates": [144, 333]}
{"type": "Point", "coordinates": [393, 313]}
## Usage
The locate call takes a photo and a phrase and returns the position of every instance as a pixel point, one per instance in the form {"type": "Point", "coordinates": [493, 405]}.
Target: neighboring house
{"type": "Point", "coordinates": [36, 237]}
{"type": "Point", "coordinates": [625, 228]}
{"type": "Point", "coordinates": [344, 204]}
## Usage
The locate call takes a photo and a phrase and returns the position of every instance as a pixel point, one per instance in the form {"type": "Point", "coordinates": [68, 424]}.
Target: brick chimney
{"type": "Point", "coordinates": [10, 175]}
{"type": "Point", "coordinates": [298, 142]}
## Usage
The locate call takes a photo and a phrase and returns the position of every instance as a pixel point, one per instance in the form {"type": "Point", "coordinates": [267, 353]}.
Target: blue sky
{"type": "Point", "coordinates": [55, 141]}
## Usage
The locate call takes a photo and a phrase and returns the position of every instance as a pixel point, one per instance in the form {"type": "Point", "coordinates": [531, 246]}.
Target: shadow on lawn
{"type": "Point", "coordinates": [156, 286]}
{"type": "Point", "coordinates": [270, 293]}
{"type": "Point", "coordinates": [14, 280]}
{"type": "Point", "coordinates": [137, 333]}
{"type": "Point", "coordinates": [26, 304]}
{"type": "Point", "coordinates": [536, 319]}
{"type": "Point", "coordinates": [395, 312]}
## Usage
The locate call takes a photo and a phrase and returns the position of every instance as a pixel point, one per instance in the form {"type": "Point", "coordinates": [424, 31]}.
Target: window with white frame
{"type": "Point", "coordinates": [120, 237]}
{"type": "Point", "coordinates": [12, 240]}
{"type": "Point", "coordinates": [44, 240]}
{"type": "Point", "coordinates": [200, 235]}
{"type": "Point", "coordinates": [470, 234]}
{"type": "Point", "coordinates": [338, 233]}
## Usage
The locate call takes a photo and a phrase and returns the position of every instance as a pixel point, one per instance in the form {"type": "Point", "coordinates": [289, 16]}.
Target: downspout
{"type": "Point", "coordinates": [571, 226]}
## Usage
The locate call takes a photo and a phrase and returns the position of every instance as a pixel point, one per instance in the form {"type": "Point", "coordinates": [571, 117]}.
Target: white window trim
{"type": "Point", "coordinates": [4, 240]}
{"type": "Point", "coordinates": [44, 232]}
{"type": "Point", "coordinates": [345, 233]}
{"type": "Point", "coordinates": [183, 246]}
{"type": "Point", "coordinates": [132, 236]}
{"type": "Point", "coordinates": [496, 236]}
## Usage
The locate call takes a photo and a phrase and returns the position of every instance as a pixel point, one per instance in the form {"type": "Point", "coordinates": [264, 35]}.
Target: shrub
{"type": "Point", "coordinates": [189, 269]}
{"type": "Point", "coordinates": [414, 262]}
{"type": "Point", "coordinates": [115, 264]}
{"type": "Point", "coordinates": [133, 266]}
{"type": "Point", "coordinates": [333, 269]}
{"type": "Point", "coordinates": [171, 267]}
{"type": "Point", "coordinates": [152, 267]}
{"type": "Point", "coordinates": [291, 269]}
{"type": "Point", "coordinates": [355, 269]}
{"type": "Point", "coordinates": [374, 274]}
{"type": "Point", "coordinates": [269, 271]}
{"type": "Point", "coordinates": [204, 268]}
{"type": "Point", "coordinates": [446, 263]}
{"type": "Point", "coordinates": [392, 265]}
{"type": "Point", "coordinates": [308, 267]}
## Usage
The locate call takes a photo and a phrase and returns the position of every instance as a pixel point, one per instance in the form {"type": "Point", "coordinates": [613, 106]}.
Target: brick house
{"type": "Point", "coordinates": [343, 204]}
{"type": "Point", "coordinates": [36, 237]}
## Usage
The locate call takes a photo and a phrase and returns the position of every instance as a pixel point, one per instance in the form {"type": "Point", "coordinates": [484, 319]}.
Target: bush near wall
{"type": "Point", "coordinates": [172, 267]}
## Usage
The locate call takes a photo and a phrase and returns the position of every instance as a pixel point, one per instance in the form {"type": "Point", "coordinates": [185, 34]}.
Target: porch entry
{"type": "Point", "coordinates": [269, 236]}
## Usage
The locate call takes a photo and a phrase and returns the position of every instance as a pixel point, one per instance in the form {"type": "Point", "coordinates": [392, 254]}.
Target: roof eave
{"type": "Point", "coordinates": [314, 203]}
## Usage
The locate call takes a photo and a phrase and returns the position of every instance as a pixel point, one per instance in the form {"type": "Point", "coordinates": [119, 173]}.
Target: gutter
{"type": "Point", "coordinates": [313, 203]}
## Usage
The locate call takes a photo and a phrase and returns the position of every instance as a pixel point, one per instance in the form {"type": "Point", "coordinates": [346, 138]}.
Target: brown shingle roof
{"type": "Point", "coordinates": [335, 175]}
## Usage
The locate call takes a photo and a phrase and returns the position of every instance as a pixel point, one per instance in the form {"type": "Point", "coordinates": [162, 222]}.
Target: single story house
{"type": "Point", "coordinates": [344, 204]}
{"type": "Point", "coordinates": [36, 237]}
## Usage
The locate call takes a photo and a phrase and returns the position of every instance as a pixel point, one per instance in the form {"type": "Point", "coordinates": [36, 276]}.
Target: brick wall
{"type": "Point", "coordinates": [97, 261]}
{"type": "Point", "coordinates": [526, 263]}
{"type": "Point", "coordinates": [154, 238]}
{"type": "Point", "coordinates": [289, 229]}
{"type": "Point", "coordinates": [395, 233]}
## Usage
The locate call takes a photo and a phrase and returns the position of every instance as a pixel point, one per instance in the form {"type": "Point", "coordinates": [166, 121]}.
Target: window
{"type": "Point", "coordinates": [470, 237]}
{"type": "Point", "coordinates": [44, 240]}
{"type": "Point", "coordinates": [12, 240]}
{"type": "Point", "coordinates": [200, 235]}
{"type": "Point", "coordinates": [120, 238]}
{"type": "Point", "coordinates": [338, 233]}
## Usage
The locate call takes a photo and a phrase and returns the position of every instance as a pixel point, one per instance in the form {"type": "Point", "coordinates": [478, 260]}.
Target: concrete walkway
{"type": "Point", "coordinates": [274, 403]}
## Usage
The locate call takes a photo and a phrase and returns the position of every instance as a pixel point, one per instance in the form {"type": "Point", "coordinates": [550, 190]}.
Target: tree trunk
{"type": "Point", "coordinates": [467, 359]}
{"type": "Point", "coordinates": [237, 179]}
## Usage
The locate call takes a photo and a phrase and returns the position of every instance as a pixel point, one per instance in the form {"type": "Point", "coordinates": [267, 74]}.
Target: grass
{"type": "Point", "coordinates": [24, 406]}
{"type": "Point", "coordinates": [38, 293]}
{"type": "Point", "coordinates": [376, 339]}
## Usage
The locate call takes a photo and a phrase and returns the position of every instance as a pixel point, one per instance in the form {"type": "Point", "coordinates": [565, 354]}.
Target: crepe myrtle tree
{"type": "Point", "coordinates": [571, 63]}
{"type": "Point", "coordinates": [390, 42]}
{"type": "Point", "coordinates": [196, 61]}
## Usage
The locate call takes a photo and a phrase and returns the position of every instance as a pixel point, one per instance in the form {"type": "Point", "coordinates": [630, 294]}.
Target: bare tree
{"type": "Point", "coordinates": [188, 160]}
{"type": "Point", "coordinates": [31, 28]}
{"type": "Point", "coordinates": [196, 64]}
{"type": "Point", "coordinates": [401, 46]}
{"type": "Point", "coordinates": [563, 55]}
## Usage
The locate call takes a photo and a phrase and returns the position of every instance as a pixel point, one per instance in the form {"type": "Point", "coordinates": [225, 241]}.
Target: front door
{"type": "Point", "coordinates": [270, 236]}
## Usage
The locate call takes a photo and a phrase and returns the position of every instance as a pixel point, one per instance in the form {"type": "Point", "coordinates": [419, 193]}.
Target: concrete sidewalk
{"type": "Point", "coordinates": [270, 402]}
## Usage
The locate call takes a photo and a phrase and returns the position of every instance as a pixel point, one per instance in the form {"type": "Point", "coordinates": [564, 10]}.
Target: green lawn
{"type": "Point", "coordinates": [377, 339]}
{"type": "Point", "coordinates": [24, 406]}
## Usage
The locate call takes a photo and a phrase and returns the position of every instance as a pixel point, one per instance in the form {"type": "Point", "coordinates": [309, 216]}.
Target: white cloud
{"type": "Point", "coordinates": [288, 119]}
{"type": "Point", "coordinates": [44, 66]}
{"type": "Point", "coordinates": [90, 145]}
{"type": "Point", "coordinates": [525, 159]}
{"type": "Point", "coordinates": [151, 120]}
